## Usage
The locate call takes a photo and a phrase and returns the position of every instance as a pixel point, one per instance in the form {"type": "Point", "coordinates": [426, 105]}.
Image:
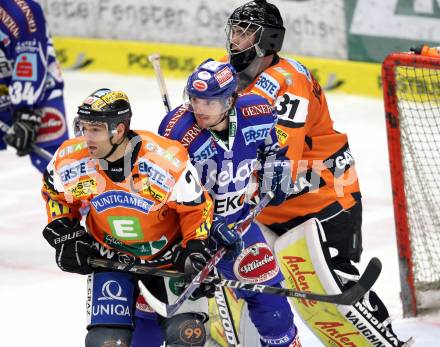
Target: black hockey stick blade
{"type": "Point", "coordinates": [366, 281]}
{"type": "Point", "coordinates": [371, 274]}
{"type": "Point", "coordinates": [348, 297]}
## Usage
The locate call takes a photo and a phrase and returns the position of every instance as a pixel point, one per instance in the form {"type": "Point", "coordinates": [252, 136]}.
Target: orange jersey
{"type": "Point", "coordinates": [158, 203]}
{"type": "Point", "coordinates": [324, 174]}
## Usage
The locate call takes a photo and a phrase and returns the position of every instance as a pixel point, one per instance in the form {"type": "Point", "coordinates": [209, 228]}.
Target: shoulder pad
{"type": "Point", "coordinates": [163, 151]}
{"type": "Point", "coordinates": [286, 74]}
{"type": "Point", "coordinates": [299, 67]}
{"type": "Point", "coordinates": [168, 126]}
{"type": "Point", "coordinates": [253, 106]}
{"type": "Point", "coordinates": [268, 84]}
{"type": "Point", "coordinates": [73, 148]}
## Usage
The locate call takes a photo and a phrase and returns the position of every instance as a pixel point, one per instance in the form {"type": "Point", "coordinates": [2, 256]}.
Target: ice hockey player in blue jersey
{"type": "Point", "coordinates": [31, 86]}
{"type": "Point", "coordinates": [230, 139]}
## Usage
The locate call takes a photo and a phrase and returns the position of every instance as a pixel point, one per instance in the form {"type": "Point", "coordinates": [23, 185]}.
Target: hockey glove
{"type": "Point", "coordinates": [222, 235]}
{"type": "Point", "coordinates": [276, 176]}
{"type": "Point", "coordinates": [23, 131]}
{"type": "Point", "coordinates": [72, 245]}
{"type": "Point", "coordinates": [191, 260]}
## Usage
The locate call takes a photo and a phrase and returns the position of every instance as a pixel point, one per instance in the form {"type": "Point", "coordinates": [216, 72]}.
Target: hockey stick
{"type": "Point", "coordinates": [167, 310]}
{"type": "Point", "coordinates": [137, 269]}
{"type": "Point", "coordinates": [155, 61]}
{"type": "Point", "coordinates": [347, 297]}
{"type": "Point", "coordinates": [38, 150]}
{"type": "Point", "coordinates": [225, 315]}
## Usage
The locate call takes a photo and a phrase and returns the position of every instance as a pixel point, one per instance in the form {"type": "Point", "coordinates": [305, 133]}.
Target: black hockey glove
{"type": "Point", "coordinates": [191, 260]}
{"type": "Point", "coordinates": [276, 176]}
{"type": "Point", "coordinates": [221, 235]}
{"type": "Point", "coordinates": [23, 132]}
{"type": "Point", "coordinates": [72, 245]}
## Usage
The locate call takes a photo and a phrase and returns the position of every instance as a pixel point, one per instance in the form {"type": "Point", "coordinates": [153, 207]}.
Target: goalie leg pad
{"type": "Point", "coordinates": [185, 329]}
{"type": "Point", "coordinates": [273, 318]}
{"type": "Point", "coordinates": [369, 311]}
{"type": "Point", "coordinates": [108, 337]}
{"type": "Point", "coordinates": [306, 265]}
{"type": "Point", "coordinates": [348, 274]}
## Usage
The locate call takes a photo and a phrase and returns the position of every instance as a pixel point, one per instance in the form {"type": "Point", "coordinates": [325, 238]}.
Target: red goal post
{"type": "Point", "coordinates": [411, 89]}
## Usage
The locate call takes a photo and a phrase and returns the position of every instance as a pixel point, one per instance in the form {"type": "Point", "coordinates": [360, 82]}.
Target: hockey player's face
{"type": "Point", "coordinates": [208, 112]}
{"type": "Point", "coordinates": [241, 38]}
{"type": "Point", "coordinates": [97, 139]}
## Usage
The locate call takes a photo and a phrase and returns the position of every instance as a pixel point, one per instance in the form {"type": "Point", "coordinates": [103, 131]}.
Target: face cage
{"type": "Point", "coordinates": [254, 30]}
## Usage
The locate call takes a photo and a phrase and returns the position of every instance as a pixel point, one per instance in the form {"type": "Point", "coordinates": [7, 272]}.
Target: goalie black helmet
{"type": "Point", "coordinates": [260, 19]}
{"type": "Point", "coordinates": [106, 106]}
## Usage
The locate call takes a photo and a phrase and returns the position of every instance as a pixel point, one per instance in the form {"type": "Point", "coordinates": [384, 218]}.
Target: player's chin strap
{"type": "Point", "coordinates": [114, 147]}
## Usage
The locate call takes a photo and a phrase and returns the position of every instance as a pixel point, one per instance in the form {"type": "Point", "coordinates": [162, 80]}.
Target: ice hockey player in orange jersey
{"type": "Point", "coordinates": [141, 200]}
{"type": "Point", "coordinates": [326, 184]}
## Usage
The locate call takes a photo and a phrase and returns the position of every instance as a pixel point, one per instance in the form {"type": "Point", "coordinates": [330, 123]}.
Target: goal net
{"type": "Point", "coordinates": [411, 85]}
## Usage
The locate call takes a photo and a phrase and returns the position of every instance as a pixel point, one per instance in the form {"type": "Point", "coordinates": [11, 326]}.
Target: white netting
{"type": "Point", "coordinates": [418, 93]}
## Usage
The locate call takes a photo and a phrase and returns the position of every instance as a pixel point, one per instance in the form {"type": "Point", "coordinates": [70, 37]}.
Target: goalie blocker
{"type": "Point", "coordinates": [306, 265]}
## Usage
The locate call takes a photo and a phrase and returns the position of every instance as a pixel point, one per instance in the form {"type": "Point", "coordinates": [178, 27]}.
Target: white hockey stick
{"type": "Point", "coordinates": [155, 61]}
{"type": "Point", "coordinates": [38, 150]}
{"type": "Point", "coordinates": [225, 316]}
{"type": "Point", "coordinates": [168, 310]}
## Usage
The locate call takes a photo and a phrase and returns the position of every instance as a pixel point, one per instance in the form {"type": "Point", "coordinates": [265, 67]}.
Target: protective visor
{"type": "Point", "coordinates": [92, 130]}
{"type": "Point", "coordinates": [208, 107]}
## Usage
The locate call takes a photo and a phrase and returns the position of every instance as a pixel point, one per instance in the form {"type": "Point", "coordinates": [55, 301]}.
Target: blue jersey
{"type": "Point", "coordinates": [29, 72]}
{"type": "Point", "coordinates": [226, 167]}
{"type": "Point", "coordinates": [30, 76]}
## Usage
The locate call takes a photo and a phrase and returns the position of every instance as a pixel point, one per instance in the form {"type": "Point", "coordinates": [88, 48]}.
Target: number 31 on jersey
{"type": "Point", "coordinates": [292, 110]}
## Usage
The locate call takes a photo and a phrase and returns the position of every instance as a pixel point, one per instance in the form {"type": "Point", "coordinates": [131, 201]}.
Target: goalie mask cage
{"type": "Point", "coordinates": [411, 86]}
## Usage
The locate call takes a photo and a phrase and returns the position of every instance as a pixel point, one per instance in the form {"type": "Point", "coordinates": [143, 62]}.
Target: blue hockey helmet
{"type": "Point", "coordinates": [212, 80]}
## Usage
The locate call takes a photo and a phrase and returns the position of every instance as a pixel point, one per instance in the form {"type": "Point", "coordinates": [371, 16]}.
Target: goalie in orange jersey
{"type": "Point", "coordinates": [326, 184]}
{"type": "Point", "coordinates": [142, 199]}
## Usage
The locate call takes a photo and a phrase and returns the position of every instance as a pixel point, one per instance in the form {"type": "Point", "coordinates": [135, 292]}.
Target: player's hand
{"type": "Point", "coordinates": [23, 132]}
{"type": "Point", "coordinates": [276, 176]}
{"type": "Point", "coordinates": [191, 260]}
{"type": "Point", "coordinates": [73, 245]}
{"type": "Point", "coordinates": [221, 235]}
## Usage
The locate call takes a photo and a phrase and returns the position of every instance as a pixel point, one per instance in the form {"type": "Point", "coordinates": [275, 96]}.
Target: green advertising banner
{"type": "Point", "coordinates": [376, 28]}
